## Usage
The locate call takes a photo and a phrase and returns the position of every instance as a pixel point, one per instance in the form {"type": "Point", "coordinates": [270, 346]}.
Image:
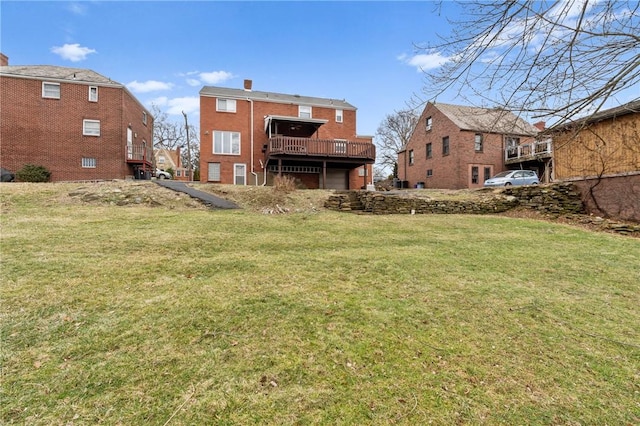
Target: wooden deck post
{"type": "Point", "coordinates": [324, 175]}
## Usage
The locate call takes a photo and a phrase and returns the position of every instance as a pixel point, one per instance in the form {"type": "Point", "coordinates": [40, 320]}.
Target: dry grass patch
{"type": "Point", "coordinates": [151, 315]}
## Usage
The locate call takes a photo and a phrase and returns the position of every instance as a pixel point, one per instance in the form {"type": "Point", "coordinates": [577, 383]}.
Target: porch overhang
{"type": "Point", "coordinates": [291, 126]}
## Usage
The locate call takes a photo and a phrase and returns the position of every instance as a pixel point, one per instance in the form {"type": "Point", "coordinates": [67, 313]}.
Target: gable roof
{"type": "Point", "coordinates": [274, 97]}
{"type": "Point", "coordinates": [628, 108]}
{"type": "Point", "coordinates": [53, 72]}
{"type": "Point", "coordinates": [487, 120]}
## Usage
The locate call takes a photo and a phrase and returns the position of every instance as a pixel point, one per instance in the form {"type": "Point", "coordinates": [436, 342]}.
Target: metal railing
{"type": "Point", "coordinates": [529, 150]}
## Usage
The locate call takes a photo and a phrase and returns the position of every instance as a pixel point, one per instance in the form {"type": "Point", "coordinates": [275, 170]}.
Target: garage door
{"type": "Point", "coordinates": [337, 179]}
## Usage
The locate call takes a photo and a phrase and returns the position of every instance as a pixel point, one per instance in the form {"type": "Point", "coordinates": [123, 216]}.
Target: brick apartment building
{"type": "Point", "coordinates": [457, 147]}
{"type": "Point", "coordinates": [248, 137]}
{"type": "Point", "coordinates": [75, 122]}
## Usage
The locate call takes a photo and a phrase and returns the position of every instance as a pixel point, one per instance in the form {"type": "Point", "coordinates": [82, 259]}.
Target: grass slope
{"type": "Point", "coordinates": [139, 315]}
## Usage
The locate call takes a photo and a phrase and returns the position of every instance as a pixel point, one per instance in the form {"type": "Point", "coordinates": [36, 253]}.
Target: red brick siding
{"type": "Point", "coordinates": [211, 120]}
{"type": "Point", "coordinates": [452, 171]}
{"type": "Point", "coordinates": [48, 132]}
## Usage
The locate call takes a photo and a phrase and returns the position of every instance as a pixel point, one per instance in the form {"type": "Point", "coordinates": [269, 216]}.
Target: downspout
{"type": "Point", "coordinates": [255, 175]}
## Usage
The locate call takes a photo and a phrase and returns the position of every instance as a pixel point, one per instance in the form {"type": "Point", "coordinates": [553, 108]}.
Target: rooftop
{"type": "Point", "coordinates": [489, 120]}
{"type": "Point", "coordinates": [275, 97]}
{"type": "Point", "coordinates": [56, 73]}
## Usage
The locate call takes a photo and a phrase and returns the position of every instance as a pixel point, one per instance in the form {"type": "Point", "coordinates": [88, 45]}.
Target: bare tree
{"type": "Point", "coordinates": [172, 134]}
{"type": "Point", "coordinates": [393, 134]}
{"type": "Point", "coordinates": [548, 59]}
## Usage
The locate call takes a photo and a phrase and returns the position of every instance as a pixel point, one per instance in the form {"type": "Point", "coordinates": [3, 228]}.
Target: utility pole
{"type": "Point", "coordinates": [186, 125]}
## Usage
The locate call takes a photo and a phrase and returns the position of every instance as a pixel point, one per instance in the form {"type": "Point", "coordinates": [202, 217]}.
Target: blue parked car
{"type": "Point", "coordinates": [513, 177]}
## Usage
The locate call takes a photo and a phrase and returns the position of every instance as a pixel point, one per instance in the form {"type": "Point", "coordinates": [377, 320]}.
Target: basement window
{"type": "Point", "coordinates": [88, 163]}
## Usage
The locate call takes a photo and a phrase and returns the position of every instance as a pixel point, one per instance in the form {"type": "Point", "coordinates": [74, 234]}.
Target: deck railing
{"type": "Point", "coordinates": [528, 151]}
{"type": "Point", "coordinates": [138, 153]}
{"type": "Point", "coordinates": [321, 148]}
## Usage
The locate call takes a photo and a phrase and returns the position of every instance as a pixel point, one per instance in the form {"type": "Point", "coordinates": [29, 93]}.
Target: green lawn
{"type": "Point", "coordinates": [139, 315]}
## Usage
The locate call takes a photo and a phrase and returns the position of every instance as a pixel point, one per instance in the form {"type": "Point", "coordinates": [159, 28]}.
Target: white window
{"type": "Point", "coordinates": [240, 174]}
{"type": "Point", "coordinates": [88, 163]}
{"type": "Point", "coordinates": [363, 172]}
{"type": "Point", "coordinates": [51, 90]}
{"type": "Point", "coordinates": [226, 105]}
{"type": "Point", "coordinates": [213, 172]}
{"type": "Point", "coordinates": [93, 93]}
{"type": "Point", "coordinates": [339, 116]}
{"type": "Point", "coordinates": [160, 159]}
{"type": "Point", "coordinates": [144, 118]}
{"type": "Point", "coordinates": [429, 123]}
{"type": "Point", "coordinates": [91, 127]}
{"type": "Point", "coordinates": [226, 142]}
{"type": "Point", "coordinates": [304, 111]}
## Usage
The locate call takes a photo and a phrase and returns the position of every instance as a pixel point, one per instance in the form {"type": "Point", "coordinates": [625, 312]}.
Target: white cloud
{"type": "Point", "coordinates": [148, 86]}
{"type": "Point", "coordinates": [72, 52]}
{"type": "Point", "coordinates": [193, 82]}
{"type": "Point", "coordinates": [77, 8]}
{"type": "Point", "coordinates": [159, 101]}
{"type": "Point", "coordinates": [188, 104]}
{"type": "Point", "coordinates": [424, 61]}
{"type": "Point", "coordinates": [215, 77]}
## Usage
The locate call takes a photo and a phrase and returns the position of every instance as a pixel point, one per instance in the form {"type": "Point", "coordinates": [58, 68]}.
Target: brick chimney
{"type": "Point", "coordinates": [247, 85]}
{"type": "Point", "coordinates": [4, 60]}
{"type": "Point", "coordinates": [179, 159]}
{"type": "Point", "coordinates": [540, 125]}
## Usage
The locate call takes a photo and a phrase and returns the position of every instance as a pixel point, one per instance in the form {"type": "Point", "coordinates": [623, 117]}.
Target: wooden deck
{"type": "Point", "coordinates": [529, 151]}
{"type": "Point", "coordinates": [327, 148]}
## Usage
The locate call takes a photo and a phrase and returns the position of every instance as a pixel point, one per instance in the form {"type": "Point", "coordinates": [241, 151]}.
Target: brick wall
{"type": "Point", "coordinates": [452, 171]}
{"type": "Point", "coordinates": [211, 120]}
{"type": "Point", "coordinates": [48, 132]}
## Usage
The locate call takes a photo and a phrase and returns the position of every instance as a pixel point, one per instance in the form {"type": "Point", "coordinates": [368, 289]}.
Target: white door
{"type": "Point", "coordinates": [240, 174]}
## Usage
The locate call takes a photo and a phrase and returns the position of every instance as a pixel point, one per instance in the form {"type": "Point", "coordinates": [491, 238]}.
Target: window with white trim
{"type": "Point", "coordinates": [411, 157]}
{"type": "Point", "coordinates": [226, 142]}
{"type": "Point", "coordinates": [240, 174]}
{"type": "Point", "coordinates": [339, 116]}
{"type": "Point", "coordinates": [213, 172]}
{"type": "Point", "coordinates": [144, 118]}
{"type": "Point", "coordinates": [428, 123]}
{"type": "Point", "coordinates": [478, 144]}
{"type": "Point", "coordinates": [363, 171]}
{"type": "Point", "coordinates": [226, 105]}
{"type": "Point", "coordinates": [93, 93]}
{"type": "Point", "coordinates": [88, 163]}
{"type": "Point", "coordinates": [50, 90]}
{"type": "Point", "coordinates": [91, 127]}
{"type": "Point", "coordinates": [304, 111]}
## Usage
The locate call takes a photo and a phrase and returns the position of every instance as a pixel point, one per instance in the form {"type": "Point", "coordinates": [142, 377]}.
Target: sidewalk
{"type": "Point", "coordinates": [208, 199]}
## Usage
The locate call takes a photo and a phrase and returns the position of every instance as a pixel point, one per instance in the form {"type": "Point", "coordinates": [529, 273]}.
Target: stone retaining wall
{"type": "Point", "coordinates": [558, 199]}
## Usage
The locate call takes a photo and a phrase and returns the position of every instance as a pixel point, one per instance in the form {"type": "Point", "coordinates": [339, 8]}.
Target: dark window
{"type": "Point", "coordinates": [487, 173]}
{"type": "Point", "coordinates": [445, 145]}
{"type": "Point", "coordinates": [478, 142]}
{"type": "Point", "coordinates": [429, 172]}
{"type": "Point", "coordinates": [429, 122]}
{"type": "Point", "coordinates": [474, 174]}
{"type": "Point", "coordinates": [410, 157]}
{"type": "Point", "coordinates": [429, 150]}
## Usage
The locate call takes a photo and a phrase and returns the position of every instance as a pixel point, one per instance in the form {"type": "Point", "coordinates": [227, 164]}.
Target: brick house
{"type": "Point", "coordinates": [456, 147]}
{"type": "Point", "coordinates": [247, 137]}
{"type": "Point", "coordinates": [601, 155]}
{"type": "Point", "coordinates": [75, 122]}
{"type": "Point", "coordinates": [171, 159]}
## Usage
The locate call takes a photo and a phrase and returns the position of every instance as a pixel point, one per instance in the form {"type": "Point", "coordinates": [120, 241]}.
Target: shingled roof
{"type": "Point", "coordinates": [486, 120]}
{"type": "Point", "coordinates": [275, 97]}
{"type": "Point", "coordinates": [56, 73]}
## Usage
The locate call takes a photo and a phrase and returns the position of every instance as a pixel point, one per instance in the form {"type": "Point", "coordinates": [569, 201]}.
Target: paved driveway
{"type": "Point", "coordinates": [208, 199]}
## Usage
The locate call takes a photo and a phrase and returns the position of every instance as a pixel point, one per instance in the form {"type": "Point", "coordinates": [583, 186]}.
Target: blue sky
{"type": "Point", "coordinates": [363, 52]}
